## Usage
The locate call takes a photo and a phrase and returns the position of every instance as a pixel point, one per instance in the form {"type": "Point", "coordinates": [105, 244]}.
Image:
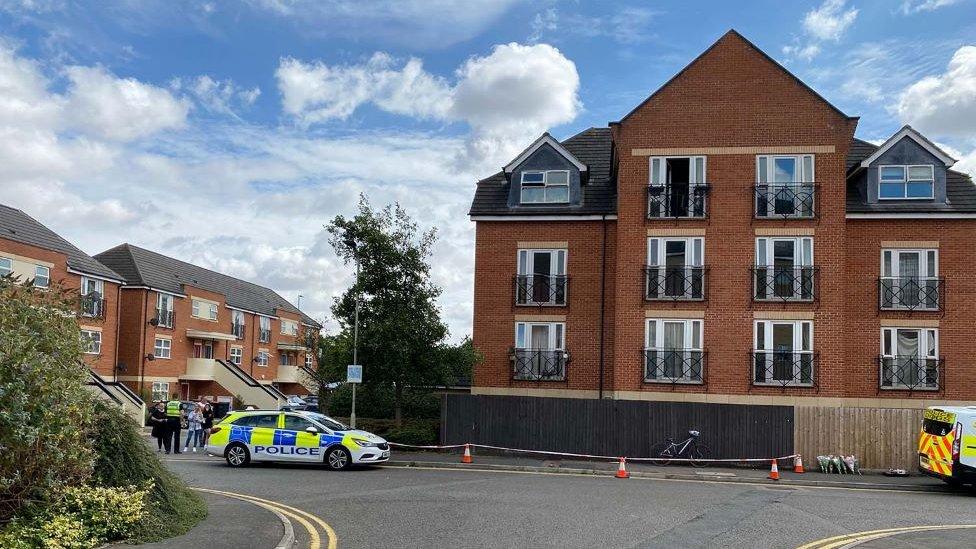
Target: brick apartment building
{"type": "Point", "coordinates": [729, 241]}
{"type": "Point", "coordinates": [34, 254]}
{"type": "Point", "coordinates": [199, 333]}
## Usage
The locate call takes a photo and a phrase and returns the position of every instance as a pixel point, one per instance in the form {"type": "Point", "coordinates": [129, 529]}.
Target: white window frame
{"type": "Point", "coordinates": [545, 185]}
{"type": "Point", "coordinates": [800, 175]}
{"type": "Point", "coordinates": [6, 266]}
{"type": "Point", "coordinates": [204, 344]}
{"type": "Point", "coordinates": [163, 348]}
{"type": "Point", "coordinates": [197, 306]}
{"type": "Point", "coordinates": [160, 387]}
{"type": "Point", "coordinates": [38, 269]}
{"type": "Point", "coordinates": [889, 336]}
{"type": "Point", "coordinates": [693, 342]}
{"type": "Point", "coordinates": [164, 302]}
{"type": "Point", "coordinates": [93, 341]}
{"type": "Point", "coordinates": [802, 250]}
{"type": "Point", "coordinates": [289, 327]}
{"type": "Point", "coordinates": [92, 285]}
{"type": "Point", "coordinates": [264, 324]}
{"type": "Point", "coordinates": [906, 180]}
{"type": "Point", "coordinates": [237, 352]}
{"type": "Point", "coordinates": [308, 359]}
{"type": "Point", "coordinates": [657, 250]}
{"type": "Point", "coordinates": [557, 335]}
{"type": "Point", "coordinates": [262, 358]}
{"type": "Point", "coordinates": [558, 266]}
{"type": "Point", "coordinates": [657, 170]}
{"type": "Point", "coordinates": [890, 270]}
{"type": "Point", "coordinates": [797, 347]}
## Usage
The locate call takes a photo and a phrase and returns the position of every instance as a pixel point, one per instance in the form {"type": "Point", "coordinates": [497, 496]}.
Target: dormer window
{"type": "Point", "coordinates": [906, 182]}
{"type": "Point", "coordinates": [545, 187]}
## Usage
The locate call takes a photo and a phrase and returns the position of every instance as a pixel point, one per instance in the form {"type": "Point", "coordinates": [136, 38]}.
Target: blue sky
{"type": "Point", "coordinates": [276, 114]}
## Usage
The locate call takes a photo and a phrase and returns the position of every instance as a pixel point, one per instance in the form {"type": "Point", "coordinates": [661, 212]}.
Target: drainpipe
{"type": "Point", "coordinates": [118, 307]}
{"type": "Point", "coordinates": [603, 292]}
{"type": "Point", "coordinates": [142, 343]}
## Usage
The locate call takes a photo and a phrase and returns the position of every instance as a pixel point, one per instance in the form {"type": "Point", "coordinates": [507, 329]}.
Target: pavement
{"type": "Point", "coordinates": [425, 499]}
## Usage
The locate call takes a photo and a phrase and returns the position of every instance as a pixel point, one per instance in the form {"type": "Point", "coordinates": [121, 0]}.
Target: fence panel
{"type": "Point", "coordinates": [879, 437]}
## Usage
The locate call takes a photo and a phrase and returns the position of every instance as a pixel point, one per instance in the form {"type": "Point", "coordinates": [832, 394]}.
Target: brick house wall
{"type": "Point", "coordinates": [104, 363]}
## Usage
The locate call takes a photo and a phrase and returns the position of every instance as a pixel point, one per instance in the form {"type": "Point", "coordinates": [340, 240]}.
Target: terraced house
{"type": "Point", "coordinates": [198, 333]}
{"type": "Point", "coordinates": [34, 254]}
{"type": "Point", "coordinates": [729, 245]}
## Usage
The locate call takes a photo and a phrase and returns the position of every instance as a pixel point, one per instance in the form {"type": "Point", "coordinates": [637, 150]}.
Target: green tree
{"type": "Point", "coordinates": [45, 409]}
{"type": "Point", "coordinates": [400, 329]}
{"type": "Point", "coordinates": [333, 354]}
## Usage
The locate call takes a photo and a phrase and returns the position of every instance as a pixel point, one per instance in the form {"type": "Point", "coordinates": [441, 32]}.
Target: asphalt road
{"type": "Point", "coordinates": [413, 507]}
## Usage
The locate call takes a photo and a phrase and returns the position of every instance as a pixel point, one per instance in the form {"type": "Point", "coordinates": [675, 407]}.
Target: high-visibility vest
{"type": "Point", "coordinates": [173, 408]}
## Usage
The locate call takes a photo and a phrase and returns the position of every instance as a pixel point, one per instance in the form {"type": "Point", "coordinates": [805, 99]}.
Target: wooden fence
{"type": "Point", "coordinates": [879, 437]}
{"type": "Point", "coordinates": [614, 427]}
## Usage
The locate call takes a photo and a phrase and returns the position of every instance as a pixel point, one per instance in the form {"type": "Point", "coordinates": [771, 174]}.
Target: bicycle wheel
{"type": "Point", "coordinates": [698, 454]}
{"type": "Point", "coordinates": [664, 451]}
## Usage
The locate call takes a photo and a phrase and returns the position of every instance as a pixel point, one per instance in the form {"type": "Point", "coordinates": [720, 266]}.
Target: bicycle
{"type": "Point", "coordinates": [690, 448]}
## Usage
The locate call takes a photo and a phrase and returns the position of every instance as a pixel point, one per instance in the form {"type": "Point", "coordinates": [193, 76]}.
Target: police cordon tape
{"type": "Point", "coordinates": [798, 467]}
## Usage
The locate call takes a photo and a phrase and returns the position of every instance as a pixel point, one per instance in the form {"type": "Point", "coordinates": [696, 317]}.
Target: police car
{"type": "Point", "coordinates": [310, 437]}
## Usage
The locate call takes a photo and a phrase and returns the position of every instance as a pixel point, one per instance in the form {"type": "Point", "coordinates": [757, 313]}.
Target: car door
{"type": "Point", "coordinates": [262, 436]}
{"type": "Point", "coordinates": [303, 436]}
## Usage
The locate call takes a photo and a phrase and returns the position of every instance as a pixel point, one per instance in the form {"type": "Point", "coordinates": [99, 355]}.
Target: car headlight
{"type": "Point", "coordinates": [364, 443]}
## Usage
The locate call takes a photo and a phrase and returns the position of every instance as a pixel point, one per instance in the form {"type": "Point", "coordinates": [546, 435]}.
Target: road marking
{"type": "Point", "coordinates": [857, 538]}
{"type": "Point", "coordinates": [609, 474]}
{"type": "Point", "coordinates": [301, 516]}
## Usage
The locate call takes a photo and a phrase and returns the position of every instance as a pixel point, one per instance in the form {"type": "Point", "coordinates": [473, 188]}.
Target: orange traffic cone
{"type": "Point", "coordinates": [622, 469]}
{"type": "Point", "coordinates": [466, 458]}
{"type": "Point", "coordinates": [774, 471]}
{"type": "Point", "coordinates": [798, 464]}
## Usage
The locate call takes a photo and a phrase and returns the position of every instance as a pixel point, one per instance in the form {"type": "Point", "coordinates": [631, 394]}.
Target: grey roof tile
{"type": "Point", "coordinates": [142, 267]}
{"type": "Point", "coordinates": [18, 226]}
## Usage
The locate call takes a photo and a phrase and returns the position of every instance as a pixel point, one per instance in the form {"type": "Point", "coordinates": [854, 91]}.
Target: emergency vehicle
{"type": "Point", "coordinates": [310, 437]}
{"type": "Point", "coordinates": [947, 444]}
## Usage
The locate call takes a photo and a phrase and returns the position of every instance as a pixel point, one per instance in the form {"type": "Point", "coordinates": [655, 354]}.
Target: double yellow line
{"type": "Point", "coordinates": [302, 517]}
{"type": "Point", "coordinates": [858, 537]}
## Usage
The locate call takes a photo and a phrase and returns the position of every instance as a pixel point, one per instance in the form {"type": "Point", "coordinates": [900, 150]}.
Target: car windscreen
{"type": "Point", "coordinates": [328, 422]}
{"type": "Point", "coordinates": [937, 428]}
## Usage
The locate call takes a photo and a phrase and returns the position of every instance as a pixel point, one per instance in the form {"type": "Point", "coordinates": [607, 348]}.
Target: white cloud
{"type": "Point", "coordinates": [412, 23]}
{"type": "Point", "coordinates": [944, 104]}
{"type": "Point", "coordinates": [218, 96]}
{"type": "Point", "coordinates": [828, 22]}
{"type": "Point", "coordinates": [627, 25]}
{"type": "Point", "coordinates": [122, 109]}
{"type": "Point", "coordinates": [507, 98]}
{"type": "Point", "coordinates": [909, 7]}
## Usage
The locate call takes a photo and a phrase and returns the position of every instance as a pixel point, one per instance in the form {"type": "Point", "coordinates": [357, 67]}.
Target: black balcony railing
{"type": "Point", "coordinates": [674, 283]}
{"type": "Point", "coordinates": [771, 283]}
{"type": "Point", "coordinates": [674, 365]}
{"type": "Point", "coordinates": [785, 200]}
{"type": "Point", "coordinates": [910, 293]}
{"type": "Point", "coordinates": [910, 372]}
{"type": "Point", "coordinates": [164, 319]}
{"type": "Point", "coordinates": [539, 364]}
{"type": "Point", "coordinates": [783, 368]}
{"type": "Point", "coordinates": [91, 306]}
{"type": "Point", "coordinates": [541, 289]}
{"type": "Point", "coordinates": [264, 336]}
{"type": "Point", "coordinates": [677, 201]}
{"type": "Point", "coordinates": [237, 329]}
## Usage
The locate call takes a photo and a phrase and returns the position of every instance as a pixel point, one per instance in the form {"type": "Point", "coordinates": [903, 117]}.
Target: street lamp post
{"type": "Point", "coordinates": [351, 242]}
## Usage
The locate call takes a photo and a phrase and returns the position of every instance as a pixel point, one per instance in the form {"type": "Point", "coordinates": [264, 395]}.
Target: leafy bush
{"type": "Point", "coordinates": [413, 431]}
{"type": "Point", "coordinates": [124, 459]}
{"type": "Point", "coordinates": [45, 409]}
{"type": "Point", "coordinates": [85, 517]}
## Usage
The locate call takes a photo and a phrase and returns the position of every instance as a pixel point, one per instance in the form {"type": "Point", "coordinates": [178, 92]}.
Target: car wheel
{"type": "Point", "coordinates": [337, 458]}
{"type": "Point", "coordinates": [237, 455]}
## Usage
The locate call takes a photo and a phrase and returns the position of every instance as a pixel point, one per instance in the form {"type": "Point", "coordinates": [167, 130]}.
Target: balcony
{"type": "Point", "coordinates": [783, 368]}
{"type": "Point", "coordinates": [674, 283]}
{"type": "Point", "coordinates": [675, 366]}
{"type": "Point", "coordinates": [264, 336]}
{"type": "Point", "coordinates": [237, 329]}
{"type": "Point", "coordinates": [539, 364]}
{"type": "Point", "coordinates": [288, 374]}
{"type": "Point", "coordinates": [910, 293]}
{"type": "Point", "coordinates": [771, 283]}
{"type": "Point", "coordinates": [785, 200]}
{"type": "Point", "coordinates": [200, 369]}
{"type": "Point", "coordinates": [91, 306]}
{"type": "Point", "coordinates": [677, 201]}
{"type": "Point", "coordinates": [543, 290]}
{"type": "Point", "coordinates": [910, 373]}
{"type": "Point", "coordinates": [163, 318]}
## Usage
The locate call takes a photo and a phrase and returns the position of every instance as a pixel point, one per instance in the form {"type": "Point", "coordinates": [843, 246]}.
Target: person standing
{"type": "Point", "coordinates": [173, 416]}
{"type": "Point", "coordinates": [157, 418]}
{"type": "Point", "coordinates": [194, 420]}
{"type": "Point", "coordinates": [208, 419]}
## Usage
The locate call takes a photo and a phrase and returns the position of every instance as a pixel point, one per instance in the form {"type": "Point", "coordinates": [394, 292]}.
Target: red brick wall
{"type": "Point", "coordinates": [104, 363]}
